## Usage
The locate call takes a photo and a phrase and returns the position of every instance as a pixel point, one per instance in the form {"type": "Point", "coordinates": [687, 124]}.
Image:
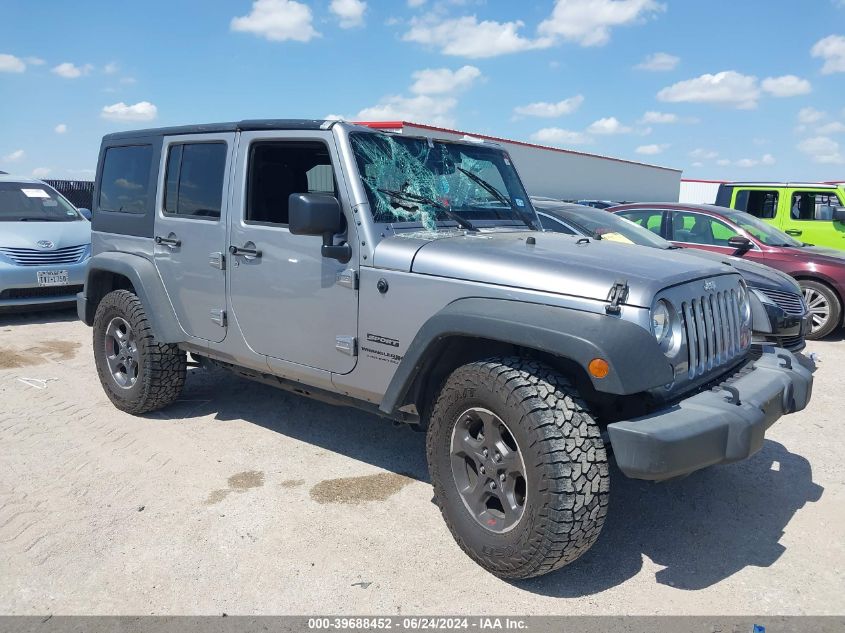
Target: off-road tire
{"type": "Point", "coordinates": [834, 320]}
{"type": "Point", "coordinates": [564, 456]}
{"type": "Point", "coordinates": [161, 366]}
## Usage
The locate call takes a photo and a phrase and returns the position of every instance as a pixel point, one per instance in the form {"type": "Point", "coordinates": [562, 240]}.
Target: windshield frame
{"type": "Point", "coordinates": [65, 211]}
{"type": "Point", "coordinates": [521, 218]}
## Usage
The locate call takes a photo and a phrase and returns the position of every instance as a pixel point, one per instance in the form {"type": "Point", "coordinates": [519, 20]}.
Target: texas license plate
{"type": "Point", "coordinates": [53, 278]}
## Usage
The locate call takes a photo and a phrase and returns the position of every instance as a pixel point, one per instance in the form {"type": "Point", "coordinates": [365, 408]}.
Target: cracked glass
{"type": "Point", "coordinates": [430, 181]}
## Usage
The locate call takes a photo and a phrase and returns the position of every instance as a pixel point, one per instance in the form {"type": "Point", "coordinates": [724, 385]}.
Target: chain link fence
{"type": "Point", "coordinates": [79, 192]}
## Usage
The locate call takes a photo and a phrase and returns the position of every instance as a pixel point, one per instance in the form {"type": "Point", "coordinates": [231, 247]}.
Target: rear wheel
{"type": "Point", "coordinates": [138, 373]}
{"type": "Point", "coordinates": [518, 466]}
{"type": "Point", "coordinates": [824, 307]}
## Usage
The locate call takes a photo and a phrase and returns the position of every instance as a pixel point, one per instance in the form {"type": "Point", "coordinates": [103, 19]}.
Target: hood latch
{"type": "Point", "coordinates": [617, 295]}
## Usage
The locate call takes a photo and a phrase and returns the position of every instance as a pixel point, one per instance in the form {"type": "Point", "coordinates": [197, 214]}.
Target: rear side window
{"type": "Point", "coordinates": [651, 220]}
{"type": "Point", "coordinates": [194, 180]}
{"type": "Point", "coordinates": [761, 204]}
{"type": "Point", "coordinates": [124, 183]}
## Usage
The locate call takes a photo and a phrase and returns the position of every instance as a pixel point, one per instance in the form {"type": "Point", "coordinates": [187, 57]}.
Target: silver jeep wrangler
{"type": "Point", "coordinates": [408, 276]}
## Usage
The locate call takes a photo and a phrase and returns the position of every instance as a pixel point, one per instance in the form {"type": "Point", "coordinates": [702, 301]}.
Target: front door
{"type": "Point", "coordinates": [809, 218]}
{"type": "Point", "coordinates": [190, 230]}
{"type": "Point", "coordinates": [289, 301]}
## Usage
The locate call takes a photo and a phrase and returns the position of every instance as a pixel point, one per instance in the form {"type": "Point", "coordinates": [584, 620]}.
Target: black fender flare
{"type": "Point", "coordinates": [144, 277]}
{"type": "Point", "coordinates": [636, 362]}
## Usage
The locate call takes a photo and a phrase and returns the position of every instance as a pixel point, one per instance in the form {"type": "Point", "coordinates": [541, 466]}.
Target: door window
{"type": "Point", "coordinates": [759, 203]}
{"type": "Point", "coordinates": [124, 184]}
{"type": "Point", "coordinates": [813, 205]}
{"type": "Point", "coordinates": [279, 169]}
{"type": "Point", "coordinates": [652, 220]}
{"type": "Point", "coordinates": [694, 228]}
{"type": "Point", "coordinates": [194, 181]}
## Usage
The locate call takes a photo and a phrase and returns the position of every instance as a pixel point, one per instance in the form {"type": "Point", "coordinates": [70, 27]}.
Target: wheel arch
{"type": "Point", "coordinates": [124, 271]}
{"type": "Point", "coordinates": [566, 339]}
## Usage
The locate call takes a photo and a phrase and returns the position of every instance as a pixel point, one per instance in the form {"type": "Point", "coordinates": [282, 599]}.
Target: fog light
{"type": "Point", "coordinates": [599, 368]}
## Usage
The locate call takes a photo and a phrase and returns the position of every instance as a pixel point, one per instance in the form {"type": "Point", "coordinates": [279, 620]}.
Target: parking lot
{"type": "Point", "coordinates": [244, 499]}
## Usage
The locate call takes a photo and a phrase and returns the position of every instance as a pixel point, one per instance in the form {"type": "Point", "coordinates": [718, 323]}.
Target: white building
{"type": "Point", "coordinates": [699, 191]}
{"type": "Point", "coordinates": [567, 174]}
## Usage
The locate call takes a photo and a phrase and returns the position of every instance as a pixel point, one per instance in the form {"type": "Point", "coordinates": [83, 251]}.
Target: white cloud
{"type": "Point", "coordinates": [588, 22]}
{"type": "Point", "coordinates": [434, 81]}
{"type": "Point", "coordinates": [71, 71]}
{"type": "Point", "coordinates": [659, 62]}
{"type": "Point", "coordinates": [608, 125]}
{"type": "Point", "coordinates": [835, 127]}
{"type": "Point", "coordinates": [808, 115]}
{"type": "Point", "coordinates": [832, 50]}
{"type": "Point", "coordinates": [551, 110]}
{"type": "Point", "coordinates": [467, 37]}
{"type": "Point", "coordinates": [698, 164]}
{"type": "Point", "coordinates": [415, 3]}
{"type": "Point", "coordinates": [141, 111]}
{"type": "Point", "coordinates": [128, 81]}
{"type": "Point", "coordinates": [278, 21]}
{"type": "Point", "coordinates": [823, 150]}
{"type": "Point", "coordinates": [349, 12]}
{"type": "Point", "coordinates": [41, 172]}
{"type": "Point", "coordinates": [61, 128]}
{"type": "Point", "coordinates": [419, 109]}
{"type": "Point", "coordinates": [703, 154]}
{"type": "Point", "coordinates": [14, 156]}
{"type": "Point", "coordinates": [725, 88]}
{"type": "Point", "coordinates": [659, 117]}
{"type": "Point", "coordinates": [559, 136]}
{"type": "Point", "coordinates": [723, 162]}
{"type": "Point", "coordinates": [747, 163]}
{"type": "Point", "coordinates": [653, 149]}
{"type": "Point", "coordinates": [11, 64]}
{"type": "Point", "coordinates": [786, 86]}
{"type": "Point", "coordinates": [34, 61]}
{"type": "Point", "coordinates": [111, 68]}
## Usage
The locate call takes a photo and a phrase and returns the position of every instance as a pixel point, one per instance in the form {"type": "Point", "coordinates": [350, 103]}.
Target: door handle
{"type": "Point", "coordinates": [247, 252]}
{"type": "Point", "coordinates": [168, 241]}
{"type": "Point", "coordinates": [793, 232]}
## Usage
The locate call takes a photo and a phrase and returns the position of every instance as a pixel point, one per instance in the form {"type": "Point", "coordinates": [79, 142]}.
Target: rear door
{"type": "Point", "coordinates": [190, 229]}
{"type": "Point", "coordinates": [810, 217]}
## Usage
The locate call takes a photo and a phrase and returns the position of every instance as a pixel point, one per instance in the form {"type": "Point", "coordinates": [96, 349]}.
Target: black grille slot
{"type": "Point", "coordinates": [38, 293]}
{"type": "Point", "coordinates": [711, 327]}
{"type": "Point", "coordinates": [790, 302]}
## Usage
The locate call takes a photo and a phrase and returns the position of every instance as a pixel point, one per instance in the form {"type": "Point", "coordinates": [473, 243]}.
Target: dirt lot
{"type": "Point", "coordinates": [244, 499]}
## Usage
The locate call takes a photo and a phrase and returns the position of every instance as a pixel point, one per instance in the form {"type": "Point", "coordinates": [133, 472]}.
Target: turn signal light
{"type": "Point", "coordinates": [599, 368]}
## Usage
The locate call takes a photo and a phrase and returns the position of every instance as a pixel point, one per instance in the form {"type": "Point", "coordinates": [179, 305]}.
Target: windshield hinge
{"type": "Point", "coordinates": [617, 295]}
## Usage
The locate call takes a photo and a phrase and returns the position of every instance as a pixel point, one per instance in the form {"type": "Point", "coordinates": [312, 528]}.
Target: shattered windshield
{"type": "Point", "coordinates": [429, 181]}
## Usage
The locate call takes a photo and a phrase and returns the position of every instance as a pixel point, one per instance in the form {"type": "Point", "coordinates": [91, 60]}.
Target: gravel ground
{"type": "Point", "coordinates": [247, 500]}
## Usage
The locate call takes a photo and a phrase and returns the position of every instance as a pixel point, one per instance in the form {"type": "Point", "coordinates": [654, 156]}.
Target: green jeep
{"type": "Point", "coordinates": [813, 213]}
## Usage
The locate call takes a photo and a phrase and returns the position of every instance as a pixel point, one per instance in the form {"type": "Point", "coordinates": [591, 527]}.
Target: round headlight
{"type": "Point", "coordinates": [661, 321]}
{"type": "Point", "coordinates": [744, 303]}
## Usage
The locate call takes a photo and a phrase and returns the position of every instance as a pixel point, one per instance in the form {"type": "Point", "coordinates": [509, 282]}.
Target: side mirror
{"type": "Point", "coordinates": [318, 214]}
{"type": "Point", "coordinates": [839, 214]}
{"type": "Point", "coordinates": [86, 213]}
{"type": "Point", "coordinates": [740, 243]}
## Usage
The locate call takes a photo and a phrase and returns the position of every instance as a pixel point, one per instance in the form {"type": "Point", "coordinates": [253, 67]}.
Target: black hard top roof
{"type": "Point", "coordinates": [234, 126]}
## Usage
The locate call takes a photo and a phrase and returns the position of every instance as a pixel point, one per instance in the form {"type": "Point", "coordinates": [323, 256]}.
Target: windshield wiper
{"type": "Point", "coordinates": [412, 197]}
{"type": "Point", "coordinates": [495, 193]}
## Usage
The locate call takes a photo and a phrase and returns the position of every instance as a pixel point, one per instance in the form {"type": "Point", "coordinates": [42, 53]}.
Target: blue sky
{"type": "Point", "coordinates": [725, 90]}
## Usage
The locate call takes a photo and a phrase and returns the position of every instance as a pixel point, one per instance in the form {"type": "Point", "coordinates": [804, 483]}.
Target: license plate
{"type": "Point", "coordinates": [53, 278]}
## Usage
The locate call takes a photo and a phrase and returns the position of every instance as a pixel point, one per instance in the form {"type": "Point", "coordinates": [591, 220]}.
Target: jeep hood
{"type": "Point", "coordinates": [556, 263]}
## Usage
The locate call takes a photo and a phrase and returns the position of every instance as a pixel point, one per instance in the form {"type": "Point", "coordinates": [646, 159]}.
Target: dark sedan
{"type": "Point", "coordinates": [819, 271]}
{"type": "Point", "coordinates": [779, 312]}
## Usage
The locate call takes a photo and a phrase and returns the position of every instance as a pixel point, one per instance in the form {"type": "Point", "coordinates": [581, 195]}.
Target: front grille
{"type": "Point", "coordinates": [712, 326]}
{"type": "Point", "coordinates": [39, 293]}
{"type": "Point", "coordinates": [789, 302]}
{"type": "Point", "coordinates": [33, 257]}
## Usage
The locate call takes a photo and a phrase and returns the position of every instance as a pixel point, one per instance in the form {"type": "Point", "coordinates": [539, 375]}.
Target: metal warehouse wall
{"type": "Point", "coordinates": [572, 175]}
{"type": "Point", "coordinates": [698, 191]}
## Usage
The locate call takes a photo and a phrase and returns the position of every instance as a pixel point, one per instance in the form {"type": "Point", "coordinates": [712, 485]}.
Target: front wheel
{"type": "Point", "coordinates": [824, 307]}
{"type": "Point", "coordinates": [518, 466]}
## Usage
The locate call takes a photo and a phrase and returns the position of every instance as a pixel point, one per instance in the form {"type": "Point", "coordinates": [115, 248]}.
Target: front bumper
{"type": "Point", "coordinates": [723, 425]}
{"type": "Point", "coordinates": [19, 285]}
